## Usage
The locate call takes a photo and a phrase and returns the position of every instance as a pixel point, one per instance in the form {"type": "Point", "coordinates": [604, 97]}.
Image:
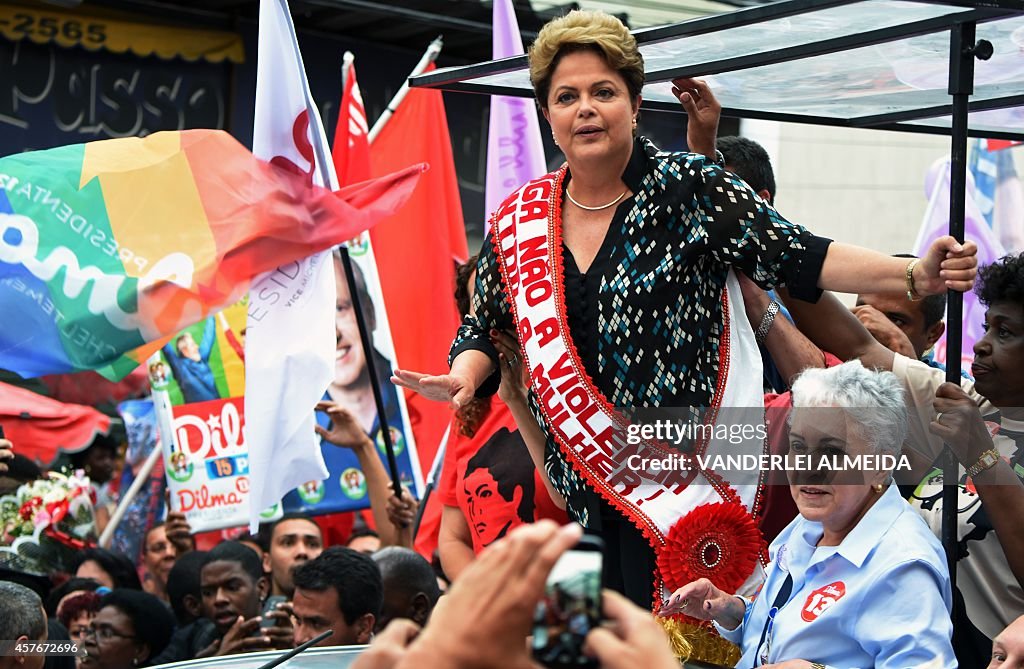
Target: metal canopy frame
{"type": "Point", "coordinates": [961, 22]}
{"type": "Point", "coordinates": [473, 78]}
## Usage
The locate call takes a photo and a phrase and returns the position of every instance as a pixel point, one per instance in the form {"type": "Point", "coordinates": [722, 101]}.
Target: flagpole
{"type": "Point", "coordinates": [364, 332]}
{"type": "Point", "coordinates": [371, 369]}
{"type": "Point", "coordinates": [428, 57]}
{"type": "Point", "coordinates": [141, 478]}
{"type": "Point", "coordinates": [346, 66]}
{"type": "Point", "coordinates": [432, 476]}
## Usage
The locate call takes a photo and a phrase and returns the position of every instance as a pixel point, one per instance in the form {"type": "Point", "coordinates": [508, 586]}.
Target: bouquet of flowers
{"type": "Point", "coordinates": [46, 521]}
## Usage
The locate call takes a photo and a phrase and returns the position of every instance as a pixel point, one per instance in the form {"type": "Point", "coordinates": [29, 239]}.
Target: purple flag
{"type": "Point", "coordinates": [515, 153]}
{"type": "Point", "coordinates": [935, 225]}
{"type": "Point", "coordinates": [1008, 213]}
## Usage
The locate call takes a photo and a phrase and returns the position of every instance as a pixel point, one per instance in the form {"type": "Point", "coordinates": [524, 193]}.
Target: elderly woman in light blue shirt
{"type": "Point", "coordinates": [857, 579]}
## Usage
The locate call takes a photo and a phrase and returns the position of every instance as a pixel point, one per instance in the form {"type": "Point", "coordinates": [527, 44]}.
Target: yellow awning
{"type": "Point", "coordinates": [117, 33]}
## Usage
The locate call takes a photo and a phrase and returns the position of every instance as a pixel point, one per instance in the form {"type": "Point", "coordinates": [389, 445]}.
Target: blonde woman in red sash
{"type": "Point", "coordinates": [616, 271]}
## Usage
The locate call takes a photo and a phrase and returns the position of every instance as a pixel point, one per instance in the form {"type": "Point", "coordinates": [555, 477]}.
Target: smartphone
{"type": "Point", "coordinates": [571, 607]}
{"type": "Point", "coordinates": [271, 605]}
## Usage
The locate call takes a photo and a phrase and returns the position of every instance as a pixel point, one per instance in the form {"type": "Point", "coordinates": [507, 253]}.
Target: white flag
{"type": "Point", "coordinates": [290, 340]}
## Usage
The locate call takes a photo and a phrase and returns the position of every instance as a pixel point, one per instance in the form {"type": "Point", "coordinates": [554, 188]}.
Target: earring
{"type": "Point", "coordinates": [634, 124]}
{"type": "Point", "coordinates": [878, 487]}
{"type": "Point", "coordinates": [135, 661]}
{"type": "Point", "coordinates": [553, 138]}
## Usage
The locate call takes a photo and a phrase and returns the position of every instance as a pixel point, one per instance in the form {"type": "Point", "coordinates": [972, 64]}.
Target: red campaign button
{"type": "Point", "coordinates": [821, 599]}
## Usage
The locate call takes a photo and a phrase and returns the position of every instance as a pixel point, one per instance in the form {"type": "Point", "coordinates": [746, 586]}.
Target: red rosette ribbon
{"type": "Point", "coordinates": [719, 542]}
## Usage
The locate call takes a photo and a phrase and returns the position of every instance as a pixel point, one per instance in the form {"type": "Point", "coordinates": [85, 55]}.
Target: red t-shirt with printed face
{"type": "Point", "coordinates": [491, 479]}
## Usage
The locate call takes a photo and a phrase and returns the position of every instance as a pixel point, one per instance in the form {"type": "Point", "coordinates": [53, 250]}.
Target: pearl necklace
{"type": "Point", "coordinates": [598, 208]}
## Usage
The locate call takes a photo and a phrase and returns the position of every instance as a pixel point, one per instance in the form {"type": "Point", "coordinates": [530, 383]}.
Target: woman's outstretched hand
{"type": "Point", "coordinates": [455, 389]}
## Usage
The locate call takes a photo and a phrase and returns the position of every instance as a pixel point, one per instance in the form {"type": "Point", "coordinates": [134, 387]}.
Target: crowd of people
{"type": "Point", "coordinates": [631, 278]}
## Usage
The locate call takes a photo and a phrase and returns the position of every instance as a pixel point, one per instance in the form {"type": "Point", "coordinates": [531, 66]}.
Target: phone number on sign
{"type": "Point", "coordinates": [52, 26]}
{"type": "Point", "coordinates": [44, 648]}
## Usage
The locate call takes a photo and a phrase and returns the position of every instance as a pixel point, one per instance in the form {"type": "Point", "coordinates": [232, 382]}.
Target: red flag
{"type": "Point", "coordinates": [1000, 144]}
{"type": "Point", "coordinates": [351, 150]}
{"type": "Point", "coordinates": [416, 251]}
{"type": "Point", "coordinates": [91, 389]}
{"type": "Point", "coordinates": [429, 529]}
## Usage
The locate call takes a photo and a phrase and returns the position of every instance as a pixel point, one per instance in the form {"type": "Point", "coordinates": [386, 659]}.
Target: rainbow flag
{"type": "Point", "coordinates": [109, 248]}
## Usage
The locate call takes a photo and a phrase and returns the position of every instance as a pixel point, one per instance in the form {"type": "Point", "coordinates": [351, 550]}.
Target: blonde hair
{"type": "Point", "coordinates": [585, 31]}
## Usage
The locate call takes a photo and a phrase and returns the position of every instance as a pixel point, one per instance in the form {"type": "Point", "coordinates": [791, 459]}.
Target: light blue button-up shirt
{"type": "Point", "coordinates": [879, 599]}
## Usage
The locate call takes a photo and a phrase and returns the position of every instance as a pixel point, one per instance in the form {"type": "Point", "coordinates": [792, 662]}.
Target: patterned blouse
{"type": "Point", "coordinates": [646, 317]}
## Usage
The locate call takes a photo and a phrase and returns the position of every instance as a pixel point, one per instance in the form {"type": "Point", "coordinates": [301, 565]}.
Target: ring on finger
{"type": "Point", "coordinates": [938, 417]}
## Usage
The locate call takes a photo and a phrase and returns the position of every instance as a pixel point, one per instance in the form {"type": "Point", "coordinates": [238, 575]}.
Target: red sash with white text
{"type": "Point", "coordinates": [698, 523]}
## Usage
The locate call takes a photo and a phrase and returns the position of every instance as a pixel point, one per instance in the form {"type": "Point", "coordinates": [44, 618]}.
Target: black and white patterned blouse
{"type": "Point", "coordinates": [646, 318]}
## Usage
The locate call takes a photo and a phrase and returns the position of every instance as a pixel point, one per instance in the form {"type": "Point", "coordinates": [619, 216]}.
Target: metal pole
{"type": "Point", "coordinates": [428, 57]}
{"type": "Point", "coordinates": [962, 52]}
{"type": "Point", "coordinates": [371, 369]}
{"type": "Point", "coordinates": [432, 476]}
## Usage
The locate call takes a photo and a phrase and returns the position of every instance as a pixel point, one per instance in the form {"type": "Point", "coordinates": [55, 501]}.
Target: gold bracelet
{"type": "Point", "coordinates": [818, 665]}
{"type": "Point", "coordinates": [987, 460]}
{"type": "Point", "coordinates": [912, 293]}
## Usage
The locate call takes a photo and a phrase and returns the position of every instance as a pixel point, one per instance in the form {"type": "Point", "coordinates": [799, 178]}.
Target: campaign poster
{"type": "Point", "coordinates": [345, 488]}
{"type": "Point", "coordinates": [198, 381]}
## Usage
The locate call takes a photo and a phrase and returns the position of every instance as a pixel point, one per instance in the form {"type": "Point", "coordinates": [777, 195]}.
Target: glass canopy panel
{"type": "Point", "coordinates": [693, 46]}
{"type": "Point", "coordinates": [991, 121]}
{"type": "Point", "coordinates": [882, 79]}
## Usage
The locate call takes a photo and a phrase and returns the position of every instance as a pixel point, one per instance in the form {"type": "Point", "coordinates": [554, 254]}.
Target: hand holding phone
{"type": "Point", "coordinates": [571, 607]}
{"type": "Point", "coordinates": [276, 623]}
{"type": "Point", "coordinates": [270, 606]}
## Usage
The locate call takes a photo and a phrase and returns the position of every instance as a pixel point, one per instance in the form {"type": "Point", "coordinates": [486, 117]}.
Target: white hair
{"type": "Point", "coordinates": [873, 399]}
{"type": "Point", "coordinates": [21, 612]}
